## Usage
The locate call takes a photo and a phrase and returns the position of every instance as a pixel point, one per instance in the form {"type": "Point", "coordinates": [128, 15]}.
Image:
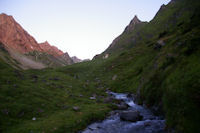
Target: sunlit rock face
{"type": "Point", "coordinates": [52, 50]}
{"type": "Point", "coordinates": [15, 37]}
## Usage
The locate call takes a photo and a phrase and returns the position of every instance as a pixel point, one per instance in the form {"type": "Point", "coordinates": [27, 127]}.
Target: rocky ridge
{"type": "Point", "coordinates": [52, 50]}
{"type": "Point", "coordinates": [17, 40]}
{"type": "Point", "coordinates": [76, 59]}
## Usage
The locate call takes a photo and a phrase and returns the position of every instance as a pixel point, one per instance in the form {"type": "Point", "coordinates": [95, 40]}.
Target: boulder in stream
{"type": "Point", "coordinates": [122, 106]}
{"type": "Point", "coordinates": [132, 116]}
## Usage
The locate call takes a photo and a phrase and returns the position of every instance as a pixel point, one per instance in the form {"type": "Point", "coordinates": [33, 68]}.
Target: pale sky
{"type": "Point", "coordinates": [83, 28]}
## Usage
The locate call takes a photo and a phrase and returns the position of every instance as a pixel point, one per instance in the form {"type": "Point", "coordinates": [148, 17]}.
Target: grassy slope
{"type": "Point", "coordinates": [166, 77]}
{"type": "Point", "coordinates": [49, 95]}
{"type": "Point", "coordinates": [48, 60]}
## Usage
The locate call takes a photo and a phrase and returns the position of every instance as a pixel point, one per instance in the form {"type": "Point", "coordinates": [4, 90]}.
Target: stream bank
{"type": "Point", "coordinates": [135, 119]}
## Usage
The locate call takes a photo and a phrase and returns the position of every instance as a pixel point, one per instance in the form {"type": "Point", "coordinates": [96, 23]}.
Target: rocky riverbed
{"type": "Point", "coordinates": [134, 119]}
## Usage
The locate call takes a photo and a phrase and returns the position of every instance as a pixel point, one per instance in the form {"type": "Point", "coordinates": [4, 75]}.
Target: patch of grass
{"type": "Point", "coordinates": [48, 95]}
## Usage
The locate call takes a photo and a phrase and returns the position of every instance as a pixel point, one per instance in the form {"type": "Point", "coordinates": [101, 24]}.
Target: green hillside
{"type": "Point", "coordinates": [161, 67]}
{"type": "Point", "coordinates": [49, 95]}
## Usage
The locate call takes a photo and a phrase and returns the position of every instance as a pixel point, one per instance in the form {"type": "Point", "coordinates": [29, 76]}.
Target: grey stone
{"type": "Point", "coordinates": [122, 106]}
{"type": "Point", "coordinates": [114, 77]}
{"type": "Point", "coordinates": [76, 108]}
{"type": "Point", "coordinates": [92, 98]}
{"type": "Point", "coordinates": [132, 116]}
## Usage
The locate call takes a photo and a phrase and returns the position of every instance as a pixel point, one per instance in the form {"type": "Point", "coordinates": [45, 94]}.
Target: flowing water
{"type": "Point", "coordinates": [149, 124]}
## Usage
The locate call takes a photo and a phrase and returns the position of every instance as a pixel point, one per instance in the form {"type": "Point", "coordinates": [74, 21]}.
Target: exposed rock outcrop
{"type": "Point", "coordinates": [119, 42]}
{"type": "Point", "coordinates": [15, 37]}
{"type": "Point", "coordinates": [52, 50]}
{"type": "Point", "coordinates": [132, 24]}
{"type": "Point", "coordinates": [66, 58]}
{"type": "Point", "coordinates": [76, 59]}
{"type": "Point", "coordinates": [26, 50]}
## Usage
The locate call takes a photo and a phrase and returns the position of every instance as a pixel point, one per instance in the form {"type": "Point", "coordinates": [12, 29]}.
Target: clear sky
{"type": "Point", "coordinates": [83, 28]}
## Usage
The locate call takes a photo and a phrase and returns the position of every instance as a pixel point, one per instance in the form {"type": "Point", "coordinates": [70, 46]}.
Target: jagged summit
{"type": "Point", "coordinates": [76, 59]}
{"type": "Point", "coordinates": [130, 28]}
{"type": "Point", "coordinates": [15, 37]}
{"type": "Point", "coordinates": [135, 20]}
{"type": "Point", "coordinates": [3, 15]}
{"type": "Point", "coordinates": [132, 24]}
{"type": "Point", "coordinates": [22, 45]}
{"type": "Point", "coordinates": [53, 50]}
{"type": "Point", "coordinates": [46, 42]}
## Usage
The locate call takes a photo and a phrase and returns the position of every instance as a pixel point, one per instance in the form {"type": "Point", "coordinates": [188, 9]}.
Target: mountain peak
{"type": "Point", "coordinates": [5, 15]}
{"type": "Point", "coordinates": [136, 19]}
{"type": "Point", "coordinates": [132, 24]}
{"type": "Point", "coordinates": [6, 18]}
{"type": "Point", "coordinates": [76, 59]}
{"type": "Point", "coordinates": [13, 36]}
{"type": "Point", "coordinates": [46, 42]}
{"type": "Point", "coordinates": [52, 50]}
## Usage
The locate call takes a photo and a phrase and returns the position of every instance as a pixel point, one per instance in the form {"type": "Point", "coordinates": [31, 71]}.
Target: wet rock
{"type": "Point", "coordinates": [76, 108]}
{"type": "Point", "coordinates": [132, 116]}
{"type": "Point", "coordinates": [122, 106]}
{"type": "Point", "coordinates": [129, 95]}
{"type": "Point", "coordinates": [146, 124]}
{"type": "Point", "coordinates": [112, 113]}
{"type": "Point", "coordinates": [94, 127]}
